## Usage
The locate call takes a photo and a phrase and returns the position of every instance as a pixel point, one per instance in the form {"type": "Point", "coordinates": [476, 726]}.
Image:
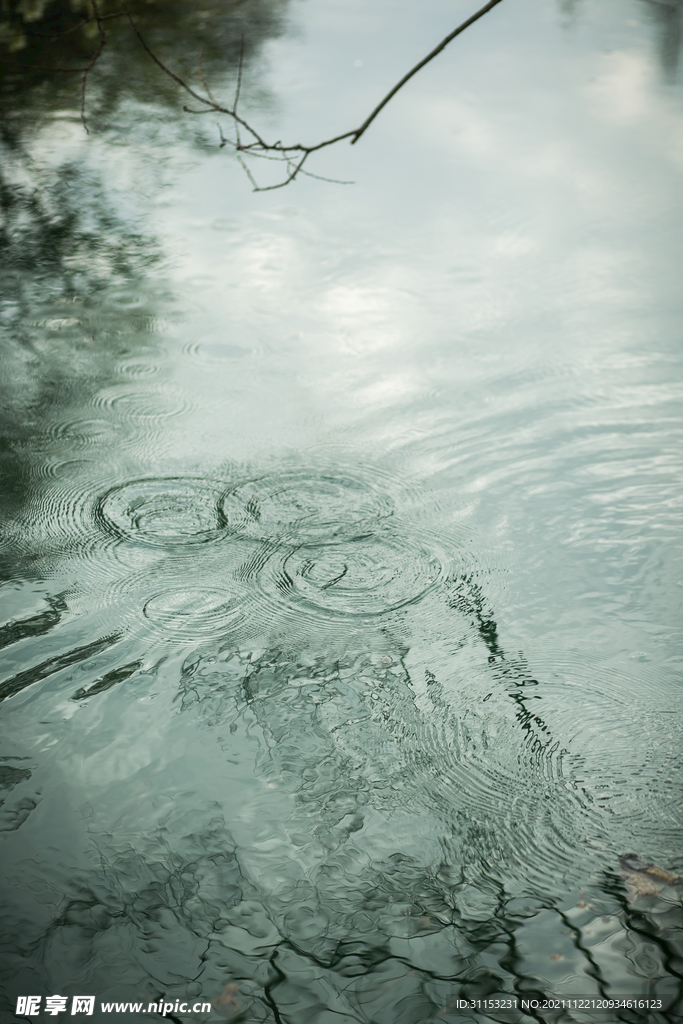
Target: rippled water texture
{"type": "Point", "coordinates": [310, 543]}
{"type": "Point", "coordinates": [306, 508]}
{"type": "Point", "coordinates": [175, 511]}
{"type": "Point", "coordinates": [340, 549]}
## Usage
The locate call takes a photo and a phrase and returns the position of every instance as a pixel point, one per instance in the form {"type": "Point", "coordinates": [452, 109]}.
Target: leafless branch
{"type": "Point", "coordinates": [293, 155]}
{"type": "Point", "coordinates": [234, 106]}
{"type": "Point", "coordinates": [425, 60]}
{"type": "Point", "coordinates": [216, 107]}
{"type": "Point", "coordinates": [321, 177]}
{"type": "Point", "coordinates": [93, 60]}
{"type": "Point", "coordinates": [208, 91]}
{"type": "Point", "coordinates": [248, 172]}
{"type": "Point", "coordinates": [239, 75]}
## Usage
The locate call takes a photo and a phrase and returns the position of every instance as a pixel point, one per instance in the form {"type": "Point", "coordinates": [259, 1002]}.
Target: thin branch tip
{"type": "Point", "coordinates": [293, 156]}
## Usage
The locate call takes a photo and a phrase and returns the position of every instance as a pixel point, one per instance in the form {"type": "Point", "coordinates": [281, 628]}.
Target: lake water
{"type": "Point", "coordinates": [341, 524]}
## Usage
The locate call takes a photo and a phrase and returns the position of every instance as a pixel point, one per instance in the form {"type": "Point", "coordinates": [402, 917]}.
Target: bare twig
{"type": "Point", "coordinates": [291, 176]}
{"type": "Point", "coordinates": [208, 91]}
{"type": "Point", "coordinates": [239, 75]}
{"type": "Point", "coordinates": [93, 61]}
{"type": "Point", "coordinates": [293, 155]}
{"type": "Point", "coordinates": [425, 60]}
{"type": "Point", "coordinates": [321, 177]}
{"type": "Point", "coordinates": [195, 95]}
{"type": "Point", "coordinates": [234, 106]}
{"type": "Point", "coordinates": [248, 172]}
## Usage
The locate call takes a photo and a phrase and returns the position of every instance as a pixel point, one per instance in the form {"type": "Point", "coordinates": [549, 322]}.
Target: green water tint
{"type": "Point", "coordinates": [390, 828]}
{"type": "Point", "coordinates": [341, 540]}
{"type": "Point", "coordinates": [175, 511]}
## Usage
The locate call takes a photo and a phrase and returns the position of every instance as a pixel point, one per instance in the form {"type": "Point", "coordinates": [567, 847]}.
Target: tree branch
{"type": "Point", "coordinates": [425, 60]}
{"type": "Point", "coordinates": [293, 155]}
{"type": "Point", "coordinates": [93, 61]}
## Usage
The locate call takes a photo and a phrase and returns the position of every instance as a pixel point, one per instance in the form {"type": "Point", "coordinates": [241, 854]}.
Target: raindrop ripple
{"type": "Point", "coordinates": [195, 613]}
{"type": "Point", "coordinates": [300, 508]}
{"type": "Point", "coordinates": [367, 576]}
{"type": "Point", "coordinates": [164, 511]}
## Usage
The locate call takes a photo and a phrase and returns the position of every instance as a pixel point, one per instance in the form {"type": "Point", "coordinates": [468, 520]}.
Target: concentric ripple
{"type": "Point", "coordinates": [143, 403]}
{"type": "Point", "coordinates": [83, 432]}
{"type": "Point", "coordinates": [57, 522]}
{"type": "Point", "coordinates": [195, 612]}
{"type": "Point", "coordinates": [163, 511]}
{"type": "Point", "coordinates": [368, 576]}
{"type": "Point", "coordinates": [300, 508]}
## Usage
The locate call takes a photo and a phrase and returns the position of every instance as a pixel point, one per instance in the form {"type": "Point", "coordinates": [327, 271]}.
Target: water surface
{"type": "Point", "coordinates": [341, 547]}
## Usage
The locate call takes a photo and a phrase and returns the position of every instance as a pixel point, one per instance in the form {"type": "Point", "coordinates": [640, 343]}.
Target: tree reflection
{"type": "Point", "coordinates": [179, 911]}
{"type": "Point", "coordinates": [668, 16]}
{"type": "Point", "coordinates": [82, 279]}
{"type": "Point", "coordinates": [52, 35]}
{"type": "Point", "coordinates": [64, 249]}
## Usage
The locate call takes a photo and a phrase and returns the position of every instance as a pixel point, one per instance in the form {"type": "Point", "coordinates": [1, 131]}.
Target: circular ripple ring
{"type": "Point", "coordinates": [364, 577]}
{"type": "Point", "coordinates": [163, 511]}
{"type": "Point", "coordinates": [300, 508]}
{"type": "Point", "coordinates": [194, 612]}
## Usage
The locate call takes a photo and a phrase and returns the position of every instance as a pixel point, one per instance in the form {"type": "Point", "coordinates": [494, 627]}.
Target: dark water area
{"type": "Point", "coordinates": [341, 547]}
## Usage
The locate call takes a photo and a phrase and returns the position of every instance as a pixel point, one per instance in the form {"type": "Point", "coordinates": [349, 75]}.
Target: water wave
{"type": "Point", "coordinates": [362, 577]}
{"type": "Point", "coordinates": [137, 368]}
{"type": "Point", "coordinates": [195, 613]}
{"type": "Point", "coordinates": [300, 508]}
{"type": "Point", "coordinates": [146, 403]}
{"type": "Point", "coordinates": [83, 432]}
{"type": "Point", "coordinates": [164, 511]}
